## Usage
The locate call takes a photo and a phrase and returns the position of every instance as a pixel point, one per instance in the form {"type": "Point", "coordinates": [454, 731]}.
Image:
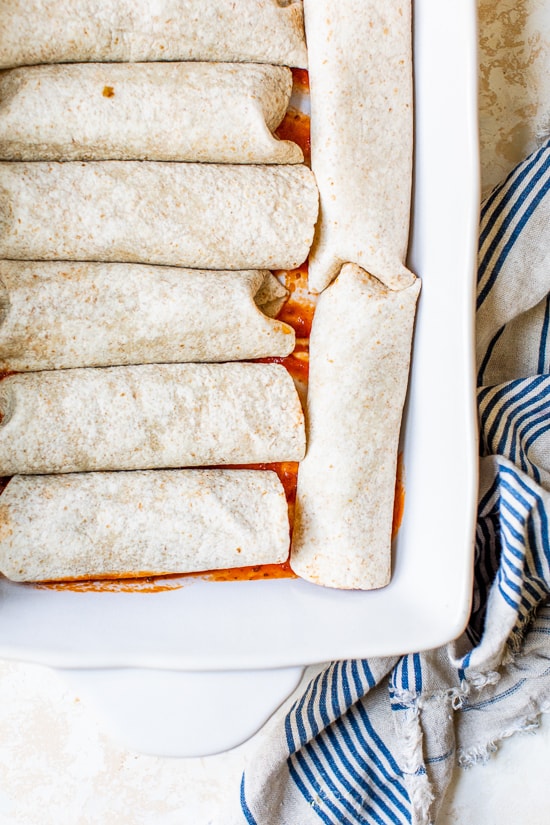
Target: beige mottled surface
{"type": "Point", "coordinates": [59, 764]}
{"type": "Point", "coordinates": [514, 88]}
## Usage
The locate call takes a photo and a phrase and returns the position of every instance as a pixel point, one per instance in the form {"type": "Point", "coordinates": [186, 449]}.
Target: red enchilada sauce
{"type": "Point", "coordinates": [300, 80]}
{"type": "Point", "coordinates": [295, 124]}
{"type": "Point", "coordinates": [300, 306]}
{"type": "Point", "coordinates": [295, 127]}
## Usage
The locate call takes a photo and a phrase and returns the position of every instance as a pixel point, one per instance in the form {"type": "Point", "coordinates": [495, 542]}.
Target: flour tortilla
{"type": "Point", "coordinates": [199, 215]}
{"type": "Point", "coordinates": [60, 315]}
{"type": "Point", "coordinates": [74, 31]}
{"type": "Point", "coordinates": [360, 72]}
{"type": "Point", "coordinates": [207, 112]}
{"type": "Point", "coordinates": [148, 417]}
{"type": "Point", "coordinates": [90, 525]}
{"type": "Point", "coordinates": [359, 365]}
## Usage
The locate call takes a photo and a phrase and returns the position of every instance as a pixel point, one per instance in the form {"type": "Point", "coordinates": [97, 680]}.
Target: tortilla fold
{"type": "Point", "coordinates": [61, 315]}
{"type": "Point", "coordinates": [74, 31]}
{"type": "Point", "coordinates": [359, 366]}
{"type": "Point", "coordinates": [199, 215]}
{"type": "Point", "coordinates": [360, 73]}
{"type": "Point", "coordinates": [94, 525]}
{"type": "Point", "coordinates": [147, 417]}
{"type": "Point", "coordinates": [206, 112]}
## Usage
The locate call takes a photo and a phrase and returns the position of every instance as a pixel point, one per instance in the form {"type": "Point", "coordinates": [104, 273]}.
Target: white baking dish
{"type": "Point", "coordinates": [246, 626]}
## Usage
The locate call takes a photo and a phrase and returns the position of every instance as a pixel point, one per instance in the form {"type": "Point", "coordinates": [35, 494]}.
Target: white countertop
{"type": "Point", "coordinates": [59, 762]}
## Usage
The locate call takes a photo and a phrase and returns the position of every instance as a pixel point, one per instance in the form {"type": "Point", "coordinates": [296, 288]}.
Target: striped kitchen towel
{"type": "Point", "coordinates": [376, 741]}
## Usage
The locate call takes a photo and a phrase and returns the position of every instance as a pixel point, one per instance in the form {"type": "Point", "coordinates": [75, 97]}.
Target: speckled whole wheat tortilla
{"type": "Point", "coordinates": [73, 31]}
{"type": "Point", "coordinates": [360, 73]}
{"type": "Point", "coordinates": [147, 417]}
{"type": "Point", "coordinates": [359, 366]}
{"type": "Point", "coordinates": [200, 215]}
{"type": "Point", "coordinates": [118, 524]}
{"type": "Point", "coordinates": [59, 315]}
{"type": "Point", "coordinates": [207, 112]}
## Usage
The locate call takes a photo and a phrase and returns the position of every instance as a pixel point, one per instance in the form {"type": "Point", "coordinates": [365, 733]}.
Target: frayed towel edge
{"type": "Point", "coordinates": [480, 754]}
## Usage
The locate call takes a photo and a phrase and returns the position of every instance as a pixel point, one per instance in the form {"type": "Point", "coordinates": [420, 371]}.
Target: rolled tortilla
{"type": "Point", "coordinates": [47, 31]}
{"type": "Point", "coordinates": [147, 417]}
{"type": "Point", "coordinates": [359, 364]}
{"type": "Point", "coordinates": [214, 112]}
{"type": "Point", "coordinates": [360, 72]}
{"type": "Point", "coordinates": [60, 315]}
{"type": "Point", "coordinates": [200, 215]}
{"type": "Point", "coordinates": [92, 525]}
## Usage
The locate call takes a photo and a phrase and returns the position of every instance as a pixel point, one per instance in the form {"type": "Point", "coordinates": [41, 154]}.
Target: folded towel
{"type": "Point", "coordinates": [376, 741]}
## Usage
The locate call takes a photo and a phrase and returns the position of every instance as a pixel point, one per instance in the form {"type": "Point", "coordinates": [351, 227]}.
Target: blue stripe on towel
{"type": "Point", "coordinates": [497, 201]}
{"type": "Point", "coordinates": [341, 767]}
{"type": "Point", "coordinates": [543, 366]}
{"type": "Point", "coordinates": [244, 805]}
{"type": "Point", "coordinates": [518, 203]}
